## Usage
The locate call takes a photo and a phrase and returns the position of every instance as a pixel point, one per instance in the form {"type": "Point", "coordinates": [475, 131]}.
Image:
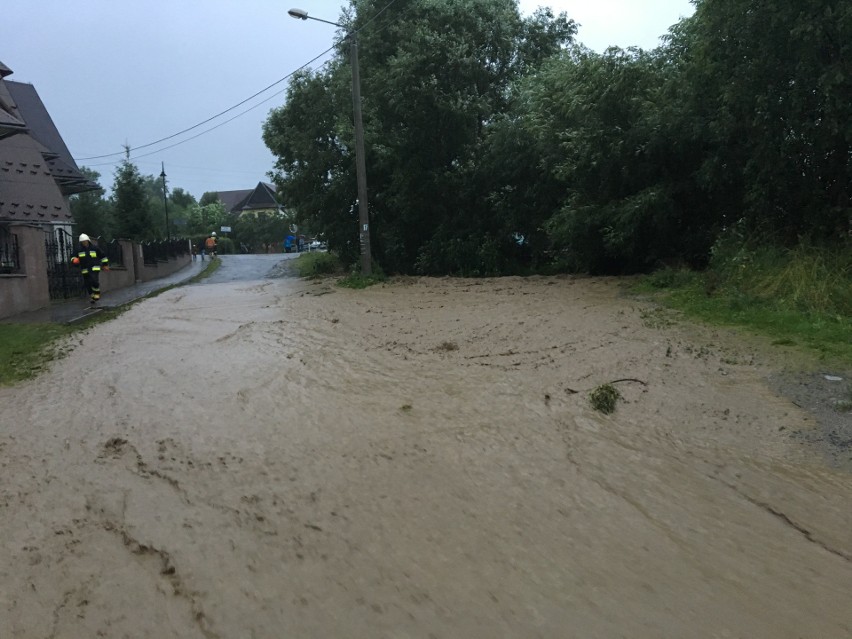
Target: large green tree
{"type": "Point", "coordinates": [132, 204]}
{"type": "Point", "coordinates": [92, 212]}
{"type": "Point", "coordinates": [776, 79]}
{"type": "Point", "coordinates": [204, 219]}
{"type": "Point", "coordinates": [261, 232]}
{"type": "Point", "coordinates": [312, 139]}
{"type": "Point", "coordinates": [493, 145]}
{"type": "Point", "coordinates": [598, 124]}
{"type": "Point", "coordinates": [435, 77]}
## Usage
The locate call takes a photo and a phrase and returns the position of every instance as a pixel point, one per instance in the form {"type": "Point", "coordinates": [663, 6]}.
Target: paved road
{"type": "Point", "coordinates": [241, 268]}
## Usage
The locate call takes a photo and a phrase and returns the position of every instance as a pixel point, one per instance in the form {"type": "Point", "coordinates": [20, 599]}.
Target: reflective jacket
{"type": "Point", "coordinates": [91, 259]}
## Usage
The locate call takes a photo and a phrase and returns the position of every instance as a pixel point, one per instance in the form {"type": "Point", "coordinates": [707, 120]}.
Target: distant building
{"type": "Point", "coordinates": [260, 199]}
{"type": "Point", "coordinates": [37, 172]}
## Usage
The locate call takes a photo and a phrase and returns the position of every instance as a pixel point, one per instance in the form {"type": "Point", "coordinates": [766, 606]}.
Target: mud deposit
{"type": "Point", "coordinates": [282, 459]}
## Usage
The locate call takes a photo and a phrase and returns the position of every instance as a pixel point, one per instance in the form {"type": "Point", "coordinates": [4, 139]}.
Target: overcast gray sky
{"type": "Point", "coordinates": [116, 71]}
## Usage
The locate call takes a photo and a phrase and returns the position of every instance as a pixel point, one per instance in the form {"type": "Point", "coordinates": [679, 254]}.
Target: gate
{"type": "Point", "coordinates": [64, 280]}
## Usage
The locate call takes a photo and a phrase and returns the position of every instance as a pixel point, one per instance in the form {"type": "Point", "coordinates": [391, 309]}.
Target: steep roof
{"type": "Point", "coordinates": [233, 200]}
{"type": "Point", "coordinates": [32, 111]}
{"type": "Point", "coordinates": [28, 190]}
{"type": "Point", "coordinates": [260, 197]}
{"type": "Point", "coordinates": [9, 118]}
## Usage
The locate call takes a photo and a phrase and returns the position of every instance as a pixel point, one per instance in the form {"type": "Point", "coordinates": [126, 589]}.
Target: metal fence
{"type": "Point", "coordinates": [113, 251]}
{"type": "Point", "coordinates": [10, 258]}
{"type": "Point", "coordinates": [154, 252]}
{"type": "Point", "coordinates": [64, 280]}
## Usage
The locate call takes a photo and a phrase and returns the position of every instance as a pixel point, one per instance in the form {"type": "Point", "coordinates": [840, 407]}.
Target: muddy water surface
{"type": "Point", "coordinates": [285, 459]}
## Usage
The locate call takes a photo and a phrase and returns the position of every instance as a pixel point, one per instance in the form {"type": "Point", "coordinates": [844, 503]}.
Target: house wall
{"type": "Point", "coordinates": [28, 290]}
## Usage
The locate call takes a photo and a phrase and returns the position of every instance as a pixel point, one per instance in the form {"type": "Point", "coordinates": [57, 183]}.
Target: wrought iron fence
{"type": "Point", "coordinates": [64, 281]}
{"type": "Point", "coordinates": [10, 259]}
{"type": "Point", "coordinates": [113, 251]}
{"type": "Point", "coordinates": [163, 251]}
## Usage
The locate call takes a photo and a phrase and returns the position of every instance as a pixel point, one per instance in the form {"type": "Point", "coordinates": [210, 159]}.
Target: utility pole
{"type": "Point", "coordinates": [165, 205]}
{"type": "Point", "coordinates": [360, 162]}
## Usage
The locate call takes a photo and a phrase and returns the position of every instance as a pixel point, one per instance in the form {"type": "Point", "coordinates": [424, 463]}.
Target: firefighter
{"type": "Point", "coordinates": [91, 262]}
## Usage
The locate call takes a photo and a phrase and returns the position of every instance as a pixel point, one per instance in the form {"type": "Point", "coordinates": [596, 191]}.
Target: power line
{"type": "Point", "coordinates": [197, 135]}
{"type": "Point", "coordinates": [195, 126]}
{"type": "Point", "coordinates": [228, 110]}
{"type": "Point", "coordinates": [380, 12]}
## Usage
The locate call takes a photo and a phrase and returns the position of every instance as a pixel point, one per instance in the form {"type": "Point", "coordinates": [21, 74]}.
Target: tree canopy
{"type": "Point", "coordinates": [497, 144]}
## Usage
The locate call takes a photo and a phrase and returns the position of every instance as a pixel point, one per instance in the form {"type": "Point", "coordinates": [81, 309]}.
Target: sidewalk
{"type": "Point", "coordinates": [69, 311]}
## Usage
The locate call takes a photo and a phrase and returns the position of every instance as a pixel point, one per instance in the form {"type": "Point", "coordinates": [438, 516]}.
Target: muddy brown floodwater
{"type": "Point", "coordinates": [287, 459]}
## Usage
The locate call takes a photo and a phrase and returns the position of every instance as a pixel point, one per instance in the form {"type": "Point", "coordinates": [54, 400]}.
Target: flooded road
{"type": "Point", "coordinates": [244, 268]}
{"type": "Point", "coordinates": [277, 458]}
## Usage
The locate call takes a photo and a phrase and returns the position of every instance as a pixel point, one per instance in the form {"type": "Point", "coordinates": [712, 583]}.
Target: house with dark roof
{"type": "Point", "coordinates": [37, 172]}
{"type": "Point", "coordinates": [260, 199]}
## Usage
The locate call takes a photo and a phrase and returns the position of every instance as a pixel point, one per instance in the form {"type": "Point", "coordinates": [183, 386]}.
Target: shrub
{"type": "Point", "coordinates": [315, 264]}
{"type": "Point", "coordinates": [604, 398]}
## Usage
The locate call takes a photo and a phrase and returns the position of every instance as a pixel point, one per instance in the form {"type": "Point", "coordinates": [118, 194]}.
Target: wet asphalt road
{"type": "Point", "coordinates": [243, 268]}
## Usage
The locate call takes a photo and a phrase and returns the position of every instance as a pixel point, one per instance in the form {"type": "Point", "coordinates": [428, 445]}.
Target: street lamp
{"type": "Point", "coordinates": [360, 163]}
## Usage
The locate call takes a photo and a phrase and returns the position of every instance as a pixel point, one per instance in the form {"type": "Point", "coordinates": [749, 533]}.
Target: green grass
{"type": "Point", "coordinates": [320, 264]}
{"type": "Point", "coordinates": [211, 268]}
{"type": "Point", "coordinates": [357, 281]}
{"type": "Point", "coordinates": [317, 264]}
{"type": "Point", "coordinates": [27, 349]}
{"type": "Point", "coordinates": [799, 298]}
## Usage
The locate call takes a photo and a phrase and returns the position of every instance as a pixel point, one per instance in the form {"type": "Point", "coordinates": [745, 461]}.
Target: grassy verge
{"type": "Point", "coordinates": [799, 298]}
{"type": "Point", "coordinates": [317, 264]}
{"type": "Point", "coordinates": [27, 349]}
{"type": "Point", "coordinates": [211, 268]}
{"type": "Point", "coordinates": [320, 264]}
{"type": "Point", "coordinates": [357, 280]}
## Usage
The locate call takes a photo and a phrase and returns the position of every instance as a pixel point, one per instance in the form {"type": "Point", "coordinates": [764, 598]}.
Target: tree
{"type": "Point", "coordinates": [434, 82]}
{"type": "Point", "coordinates": [131, 204]}
{"type": "Point", "coordinates": [264, 230]}
{"type": "Point", "coordinates": [92, 213]}
{"type": "Point", "coordinates": [182, 199]}
{"type": "Point", "coordinates": [205, 219]}
{"type": "Point", "coordinates": [315, 170]}
{"type": "Point", "coordinates": [614, 157]}
{"type": "Point", "coordinates": [153, 186]}
{"type": "Point", "coordinates": [180, 203]}
{"type": "Point", "coordinates": [779, 111]}
{"type": "Point", "coordinates": [209, 197]}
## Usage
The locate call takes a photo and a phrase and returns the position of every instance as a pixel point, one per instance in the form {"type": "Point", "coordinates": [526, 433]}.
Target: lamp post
{"type": "Point", "coordinates": [360, 162]}
{"type": "Point", "coordinates": [165, 205]}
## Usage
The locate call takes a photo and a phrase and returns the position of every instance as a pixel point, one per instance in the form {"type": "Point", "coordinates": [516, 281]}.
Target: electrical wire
{"type": "Point", "coordinates": [228, 110]}
{"type": "Point", "coordinates": [210, 119]}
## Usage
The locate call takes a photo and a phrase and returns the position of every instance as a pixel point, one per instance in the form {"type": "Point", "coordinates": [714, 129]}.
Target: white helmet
{"type": "Point", "coordinates": [213, 233]}
{"type": "Point", "coordinates": [84, 238]}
